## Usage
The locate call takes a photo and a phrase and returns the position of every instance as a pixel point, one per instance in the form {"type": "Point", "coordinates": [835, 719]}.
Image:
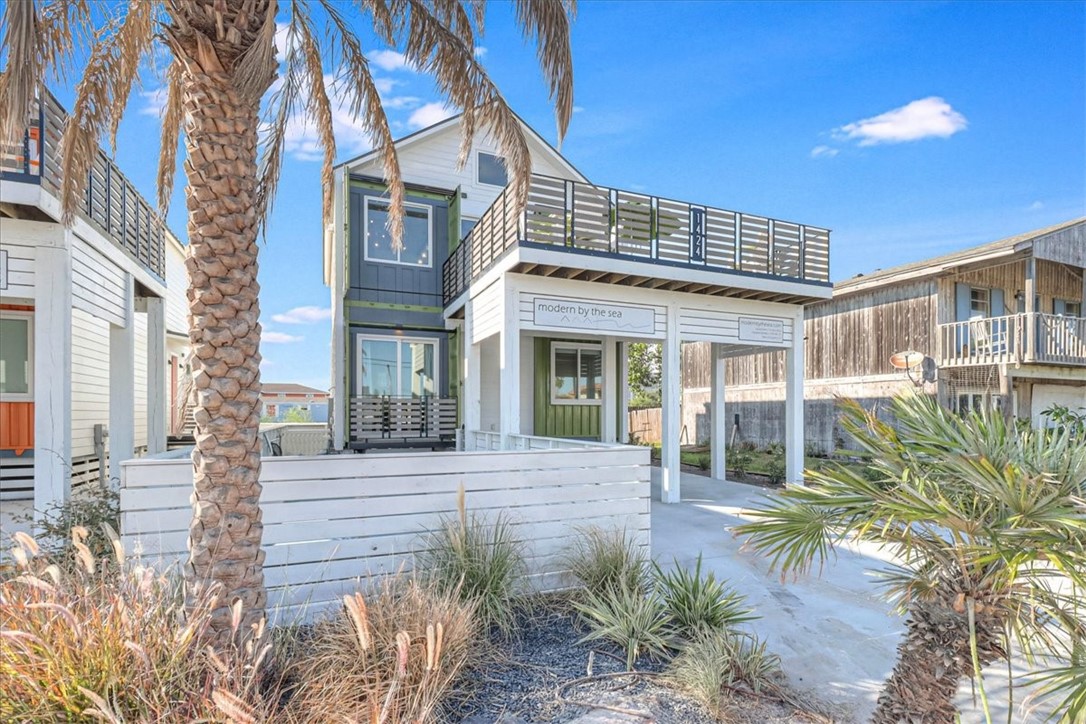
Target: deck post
{"type": "Point", "coordinates": [122, 393]}
{"type": "Point", "coordinates": [335, 264]}
{"type": "Point", "coordinates": [52, 372]}
{"type": "Point", "coordinates": [509, 416]}
{"type": "Point", "coordinates": [623, 374]}
{"type": "Point", "coordinates": [609, 393]}
{"type": "Point", "coordinates": [155, 308]}
{"type": "Point", "coordinates": [793, 404]}
{"type": "Point", "coordinates": [671, 394]}
{"type": "Point", "coordinates": [472, 384]}
{"type": "Point", "coordinates": [1031, 308]}
{"type": "Point", "coordinates": [717, 420]}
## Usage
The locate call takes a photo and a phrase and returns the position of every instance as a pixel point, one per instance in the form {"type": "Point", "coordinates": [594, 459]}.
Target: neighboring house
{"type": "Point", "coordinates": [94, 332]}
{"type": "Point", "coordinates": [998, 325]}
{"type": "Point", "coordinates": [506, 324]}
{"type": "Point", "coordinates": [279, 398]}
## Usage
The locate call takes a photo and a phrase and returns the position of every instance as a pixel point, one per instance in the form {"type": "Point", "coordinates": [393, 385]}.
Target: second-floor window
{"type": "Point", "coordinates": [417, 235]}
{"type": "Point", "coordinates": [980, 303]}
{"type": "Point", "coordinates": [491, 170]}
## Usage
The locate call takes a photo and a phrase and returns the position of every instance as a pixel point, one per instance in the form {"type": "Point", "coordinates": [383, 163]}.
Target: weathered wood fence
{"type": "Point", "coordinates": [333, 522]}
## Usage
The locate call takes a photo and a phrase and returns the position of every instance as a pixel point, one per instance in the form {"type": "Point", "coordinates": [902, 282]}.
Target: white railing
{"type": "Point", "coordinates": [294, 438]}
{"type": "Point", "coordinates": [1013, 339]}
{"type": "Point", "coordinates": [489, 440]}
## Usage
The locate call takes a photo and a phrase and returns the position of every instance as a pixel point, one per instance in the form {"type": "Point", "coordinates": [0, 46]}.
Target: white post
{"type": "Point", "coordinates": [122, 394]}
{"type": "Point", "coordinates": [623, 375]}
{"type": "Point", "coordinates": [671, 389]}
{"type": "Point", "coordinates": [470, 391]}
{"type": "Point", "coordinates": [793, 404]}
{"type": "Point", "coordinates": [52, 372]}
{"type": "Point", "coordinates": [336, 273]}
{"type": "Point", "coordinates": [155, 308]}
{"type": "Point", "coordinates": [717, 420]}
{"type": "Point", "coordinates": [510, 370]}
{"type": "Point", "coordinates": [609, 393]}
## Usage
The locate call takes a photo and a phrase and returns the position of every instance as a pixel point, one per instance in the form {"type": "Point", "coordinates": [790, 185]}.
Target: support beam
{"type": "Point", "coordinates": [793, 404]}
{"type": "Point", "coordinates": [335, 273]}
{"type": "Point", "coordinates": [717, 420]}
{"type": "Point", "coordinates": [122, 393]}
{"type": "Point", "coordinates": [623, 374]}
{"type": "Point", "coordinates": [1031, 308]}
{"type": "Point", "coordinates": [509, 421]}
{"type": "Point", "coordinates": [609, 394]}
{"type": "Point", "coordinates": [671, 401]}
{"type": "Point", "coordinates": [52, 373]}
{"type": "Point", "coordinates": [471, 410]}
{"type": "Point", "coordinates": [157, 404]}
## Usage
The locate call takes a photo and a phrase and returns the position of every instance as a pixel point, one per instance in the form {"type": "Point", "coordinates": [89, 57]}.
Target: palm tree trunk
{"type": "Point", "coordinates": [932, 661]}
{"type": "Point", "coordinates": [225, 535]}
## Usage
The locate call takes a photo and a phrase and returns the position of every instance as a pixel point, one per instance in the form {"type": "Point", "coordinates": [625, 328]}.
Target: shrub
{"type": "Point", "coordinates": [718, 659]}
{"type": "Point", "coordinates": [393, 656]}
{"type": "Point", "coordinates": [740, 461]}
{"type": "Point", "coordinates": [88, 509]}
{"type": "Point", "coordinates": [695, 603]}
{"type": "Point", "coordinates": [776, 470]}
{"type": "Point", "coordinates": [636, 622]}
{"type": "Point", "coordinates": [775, 448]}
{"type": "Point", "coordinates": [704, 461]}
{"type": "Point", "coordinates": [481, 560]}
{"type": "Point", "coordinates": [602, 560]}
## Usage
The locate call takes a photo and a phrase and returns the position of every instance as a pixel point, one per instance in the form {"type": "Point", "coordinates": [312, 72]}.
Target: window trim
{"type": "Point", "coordinates": [578, 346]}
{"type": "Point", "coordinates": [987, 302]}
{"type": "Point", "coordinates": [27, 396]}
{"type": "Point", "coordinates": [478, 179]}
{"type": "Point", "coordinates": [398, 262]}
{"type": "Point", "coordinates": [436, 342]}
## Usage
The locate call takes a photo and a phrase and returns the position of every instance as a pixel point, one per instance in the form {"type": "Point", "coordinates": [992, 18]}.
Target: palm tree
{"type": "Point", "coordinates": [988, 523]}
{"type": "Point", "coordinates": [222, 65]}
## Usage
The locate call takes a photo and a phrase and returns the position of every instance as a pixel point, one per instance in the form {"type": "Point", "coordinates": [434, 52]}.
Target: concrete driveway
{"type": "Point", "coordinates": [836, 637]}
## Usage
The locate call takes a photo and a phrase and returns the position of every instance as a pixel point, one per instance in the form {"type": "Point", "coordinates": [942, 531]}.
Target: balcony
{"type": "Point", "coordinates": [595, 225]}
{"type": "Point", "coordinates": [1015, 339]}
{"type": "Point", "coordinates": [112, 205]}
{"type": "Point", "coordinates": [386, 421]}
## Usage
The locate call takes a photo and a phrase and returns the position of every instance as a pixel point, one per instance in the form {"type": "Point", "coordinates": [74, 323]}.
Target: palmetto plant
{"type": "Point", "coordinates": [223, 63]}
{"type": "Point", "coordinates": [988, 524]}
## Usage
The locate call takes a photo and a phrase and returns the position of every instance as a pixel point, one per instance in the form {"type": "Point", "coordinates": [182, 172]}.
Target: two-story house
{"type": "Point", "coordinates": [93, 322]}
{"type": "Point", "coordinates": [497, 323]}
{"type": "Point", "coordinates": [998, 325]}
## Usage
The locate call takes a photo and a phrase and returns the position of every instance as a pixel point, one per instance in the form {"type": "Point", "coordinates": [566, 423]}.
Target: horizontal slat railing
{"type": "Point", "coordinates": [601, 220]}
{"type": "Point", "coordinates": [402, 419]}
{"type": "Point", "coordinates": [111, 204]}
{"type": "Point", "coordinates": [1016, 338]}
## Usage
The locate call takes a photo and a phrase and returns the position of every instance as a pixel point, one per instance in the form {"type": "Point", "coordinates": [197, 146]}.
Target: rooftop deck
{"type": "Point", "coordinates": [596, 226]}
{"type": "Point", "coordinates": [112, 205]}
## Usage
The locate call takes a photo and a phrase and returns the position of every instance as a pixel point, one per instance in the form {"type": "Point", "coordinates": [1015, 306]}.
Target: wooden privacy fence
{"type": "Point", "coordinates": [333, 522]}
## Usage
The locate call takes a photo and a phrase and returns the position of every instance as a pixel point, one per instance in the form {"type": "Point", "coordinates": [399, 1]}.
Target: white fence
{"type": "Point", "coordinates": [333, 521]}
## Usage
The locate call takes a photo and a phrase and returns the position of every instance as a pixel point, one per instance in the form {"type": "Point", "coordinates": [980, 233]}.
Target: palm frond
{"type": "Point", "coordinates": [171, 135]}
{"type": "Point", "coordinates": [132, 43]}
{"type": "Point", "coordinates": [318, 106]}
{"type": "Point", "coordinates": [546, 23]}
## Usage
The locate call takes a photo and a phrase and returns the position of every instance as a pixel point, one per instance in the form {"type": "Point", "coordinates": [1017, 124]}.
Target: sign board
{"type": "Point", "coordinates": [592, 316]}
{"type": "Point", "coordinates": [760, 329]}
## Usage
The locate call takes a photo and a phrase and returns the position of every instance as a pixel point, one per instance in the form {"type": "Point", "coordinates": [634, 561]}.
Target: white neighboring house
{"type": "Point", "coordinates": [94, 330]}
{"type": "Point", "coordinates": [507, 325]}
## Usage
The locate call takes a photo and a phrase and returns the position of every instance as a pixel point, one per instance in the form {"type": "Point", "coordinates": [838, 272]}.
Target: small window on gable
{"type": "Point", "coordinates": [492, 170]}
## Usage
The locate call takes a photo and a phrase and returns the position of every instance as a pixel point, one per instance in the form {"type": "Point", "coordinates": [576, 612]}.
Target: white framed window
{"type": "Point", "coordinates": [576, 373]}
{"type": "Point", "coordinates": [17, 356]}
{"type": "Point", "coordinates": [418, 234]}
{"type": "Point", "coordinates": [397, 367]}
{"type": "Point", "coordinates": [980, 303]}
{"type": "Point", "coordinates": [490, 170]}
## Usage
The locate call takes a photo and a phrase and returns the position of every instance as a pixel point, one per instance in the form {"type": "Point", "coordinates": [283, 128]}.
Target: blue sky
{"type": "Point", "coordinates": [909, 129]}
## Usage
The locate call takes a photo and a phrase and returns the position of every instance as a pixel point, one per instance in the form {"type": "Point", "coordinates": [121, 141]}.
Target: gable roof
{"type": "Point", "coordinates": [289, 388]}
{"type": "Point", "coordinates": [989, 251]}
{"type": "Point", "coordinates": [430, 131]}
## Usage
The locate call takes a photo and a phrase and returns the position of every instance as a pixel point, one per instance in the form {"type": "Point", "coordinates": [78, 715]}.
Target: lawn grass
{"type": "Point", "coordinates": [760, 459]}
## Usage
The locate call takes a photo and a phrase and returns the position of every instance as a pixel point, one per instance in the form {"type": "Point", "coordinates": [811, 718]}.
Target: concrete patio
{"type": "Point", "coordinates": [836, 637]}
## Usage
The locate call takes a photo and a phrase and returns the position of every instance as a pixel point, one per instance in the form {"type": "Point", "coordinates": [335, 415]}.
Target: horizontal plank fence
{"type": "Point", "coordinates": [332, 523]}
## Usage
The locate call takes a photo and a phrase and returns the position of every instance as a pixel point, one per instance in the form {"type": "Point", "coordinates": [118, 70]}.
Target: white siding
{"type": "Point", "coordinates": [177, 280]}
{"type": "Point", "coordinates": [487, 312]}
{"type": "Point", "coordinates": [98, 285]}
{"type": "Point", "coordinates": [20, 271]}
{"type": "Point", "coordinates": [139, 382]}
{"type": "Point", "coordinates": [491, 382]}
{"type": "Point", "coordinates": [703, 325]}
{"type": "Point", "coordinates": [90, 379]}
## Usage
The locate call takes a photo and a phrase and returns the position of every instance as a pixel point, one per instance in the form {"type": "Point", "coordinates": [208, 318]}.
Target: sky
{"type": "Point", "coordinates": [909, 129]}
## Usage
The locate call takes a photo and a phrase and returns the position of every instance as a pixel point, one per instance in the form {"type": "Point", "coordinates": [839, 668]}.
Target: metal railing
{"type": "Point", "coordinates": [597, 220]}
{"type": "Point", "coordinates": [1016, 338]}
{"type": "Point", "coordinates": [112, 205]}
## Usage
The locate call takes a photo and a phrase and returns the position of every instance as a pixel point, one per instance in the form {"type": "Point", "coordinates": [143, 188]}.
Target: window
{"type": "Point", "coordinates": [492, 170]}
{"type": "Point", "coordinates": [577, 374]}
{"type": "Point", "coordinates": [980, 303]}
{"type": "Point", "coordinates": [1067, 308]}
{"type": "Point", "coordinates": [16, 356]}
{"type": "Point", "coordinates": [397, 367]}
{"type": "Point", "coordinates": [417, 236]}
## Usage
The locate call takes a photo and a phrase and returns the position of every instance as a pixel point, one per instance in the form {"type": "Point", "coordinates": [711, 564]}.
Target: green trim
{"type": "Point", "coordinates": [371, 186]}
{"type": "Point", "coordinates": [410, 328]}
{"type": "Point", "coordinates": [389, 305]}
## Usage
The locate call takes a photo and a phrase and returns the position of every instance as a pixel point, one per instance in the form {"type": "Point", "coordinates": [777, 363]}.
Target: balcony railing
{"type": "Point", "coordinates": [112, 205]}
{"type": "Point", "coordinates": [1017, 338]}
{"type": "Point", "coordinates": [388, 421]}
{"type": "Point", "coordinates": [596, 220]}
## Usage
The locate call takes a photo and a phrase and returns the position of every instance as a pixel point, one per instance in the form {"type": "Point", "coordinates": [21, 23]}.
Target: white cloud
{"type": "Point", "coordinates": [930, 117]}
{"type": "Point", "coordinates": [578, 109]}
{"type": "Point", "coordinates": [303, 142]}
{"type": "Point", "coordinates": [429, 114]}
{"type": "Point", "coordinates": [154, 102]}
{"type": "Point", "coordinates": [303, 315]}
{"type": "Point", "coordinates": [1036, 206]}
{"type": "Point", "coordinates": [823, 152]}
{"type": "Point", "coordinates": [397, 103]}
{"type": "Point", "coordinates": [480, 51]}
{"type": "Point", "coordinates": [388, 60]}
{"type": "Point", "coordinates": [280, 337]}
{"type": "Point", "coordinates": [384, 85]}
{"type": "Point", "coordinates": [281, 36]}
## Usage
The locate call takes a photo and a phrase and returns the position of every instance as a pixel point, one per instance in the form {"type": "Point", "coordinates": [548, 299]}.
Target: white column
{"type": "Point", "coordinates": [157, 403]}
{"type": "Point", "coordinates": [335, 274]}
{"type": "Point", "coordinates": [623, 375]}
{"type": "Point", "coordinates": [52, 372]}
{"type": "Point", "coordinates": [717, 420]}
{"type": "Point", "coordinates": [671, 399]}
{"type": "Point", "coordinates": [509, 423]}
{"type": "Point", "coordinates": [609, 393]}
{"type": "Point", "coordinates": [122, 394]}
{"type": "Point", "coordinates": [470, 391]}
{"type": "Point", "coordinates": [793, 404]}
